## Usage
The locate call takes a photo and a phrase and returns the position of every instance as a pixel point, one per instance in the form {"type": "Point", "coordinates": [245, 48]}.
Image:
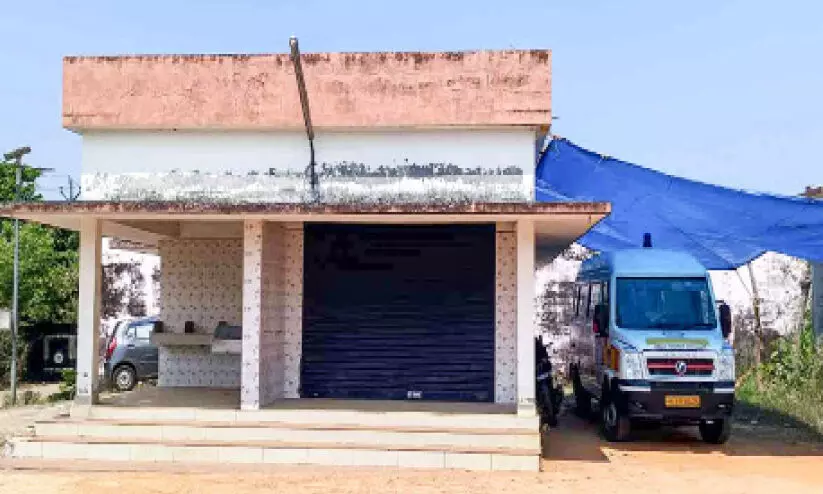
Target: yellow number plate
{"type": "Point", "coordinates": [682, 402]}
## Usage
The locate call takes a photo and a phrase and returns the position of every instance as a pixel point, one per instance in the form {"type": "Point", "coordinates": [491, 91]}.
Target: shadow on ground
{"type": "Point", "coordinates": [756, 432]}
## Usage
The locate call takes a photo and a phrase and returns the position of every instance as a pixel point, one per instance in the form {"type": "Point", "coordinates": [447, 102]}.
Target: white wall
{"type": "Point", "coordinates": [115, 163]}
{"type": "Point", "coordinates": [201, 281]}
{"type": "Point", "coordinates": [778, 279]}
{"type": "Point", "coordinates": [817, 298]}
{"type": "Point", "coordinates": [241, 152]}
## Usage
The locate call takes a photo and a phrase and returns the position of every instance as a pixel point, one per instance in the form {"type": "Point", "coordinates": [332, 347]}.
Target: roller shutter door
{"type": "Point", "coordinates": [399, 312]}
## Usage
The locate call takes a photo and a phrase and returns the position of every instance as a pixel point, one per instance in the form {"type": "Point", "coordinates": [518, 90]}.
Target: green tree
{"type": "Point", "coordinates": [48, 275]}
{"type": "Point", "coordinates": [48, 258]}
{"type": "Point", "coordinates": [48, 266]}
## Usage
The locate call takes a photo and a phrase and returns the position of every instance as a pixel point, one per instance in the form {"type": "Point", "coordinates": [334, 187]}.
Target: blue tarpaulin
{"type": "Point", "coordinates": [724, 228]}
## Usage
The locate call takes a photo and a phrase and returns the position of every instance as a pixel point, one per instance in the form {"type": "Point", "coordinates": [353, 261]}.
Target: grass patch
{"type": "Point", "coordinates": [24, 398]}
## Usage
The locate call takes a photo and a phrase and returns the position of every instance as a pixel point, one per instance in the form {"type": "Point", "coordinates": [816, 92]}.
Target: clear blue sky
{"type": "Point", "coordinates": [728, 92]}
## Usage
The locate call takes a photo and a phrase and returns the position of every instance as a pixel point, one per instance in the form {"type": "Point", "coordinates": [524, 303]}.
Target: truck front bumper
{"type": "Point", "coordinates": [647, 400]}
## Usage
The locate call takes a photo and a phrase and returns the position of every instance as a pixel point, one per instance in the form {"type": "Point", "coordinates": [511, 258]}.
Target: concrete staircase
{"type": "Point", "coordinates": [290, 436]}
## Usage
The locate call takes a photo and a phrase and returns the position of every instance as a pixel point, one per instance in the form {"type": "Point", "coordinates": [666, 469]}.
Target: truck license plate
{"type": "Point", "coordinates": [679, 401]}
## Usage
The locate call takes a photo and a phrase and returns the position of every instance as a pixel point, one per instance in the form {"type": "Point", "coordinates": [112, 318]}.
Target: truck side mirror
{"type": "Point", "coordinates": [600, 322]}
{"type": "Point", "coordinates": [725, 319]}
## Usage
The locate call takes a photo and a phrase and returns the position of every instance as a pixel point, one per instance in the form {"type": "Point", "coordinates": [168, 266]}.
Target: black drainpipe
{"type": "Point", "coordinates": [304, 103]}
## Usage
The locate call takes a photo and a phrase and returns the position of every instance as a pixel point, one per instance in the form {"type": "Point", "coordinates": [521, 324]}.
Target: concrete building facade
{"type": "Point", "coordinates": [406, 274]}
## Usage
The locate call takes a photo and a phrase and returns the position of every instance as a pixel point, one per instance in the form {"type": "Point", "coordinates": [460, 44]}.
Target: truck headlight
{"type": "Point", "coordinates": [631, 364]}
{"type": "Point", "coordinates": [725, 366]}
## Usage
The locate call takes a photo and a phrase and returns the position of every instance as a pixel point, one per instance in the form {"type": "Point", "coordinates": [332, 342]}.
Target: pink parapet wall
{"type": "Point", "coordinates": [346, 90]}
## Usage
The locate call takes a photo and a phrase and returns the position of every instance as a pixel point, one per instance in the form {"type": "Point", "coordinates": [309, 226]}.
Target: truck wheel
{"type": "Point", "coordinates": [718, 432]}
{"type": "Point", "coordinates": [124, 378]}
{"type": "Point", "coordinates": [614, 422]}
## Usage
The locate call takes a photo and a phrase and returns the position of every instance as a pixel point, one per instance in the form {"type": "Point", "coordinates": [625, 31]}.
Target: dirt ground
{"type": "Point", "coordinates": [15, 421]}
{"type": "Point", "coordinates": [756, 460]}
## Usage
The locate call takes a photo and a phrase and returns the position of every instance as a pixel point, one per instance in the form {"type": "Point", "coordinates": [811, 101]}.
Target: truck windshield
{"type": "Point", "coordinates": [664, 303]}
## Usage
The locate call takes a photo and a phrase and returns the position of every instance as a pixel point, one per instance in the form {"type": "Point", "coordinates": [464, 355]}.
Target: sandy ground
{"type": "Point", "coordinates": [16, 421]}
{"type": "Point", "coordinates": [576, 460]}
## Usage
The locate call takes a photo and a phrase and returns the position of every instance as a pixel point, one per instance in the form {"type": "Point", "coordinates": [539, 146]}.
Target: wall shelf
{"type": "Point", "coordinates": [230, 347]}
{"type": "Point", "coordinates": [181, 339]}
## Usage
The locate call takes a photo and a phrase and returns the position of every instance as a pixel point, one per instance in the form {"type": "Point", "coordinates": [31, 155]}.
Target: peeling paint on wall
{"type": "Point", "coordinates": [414, 166]}
{"type": "Point", "coordinates": [354, 90]}
{"type": "Point", "coordinates": [336, 185]}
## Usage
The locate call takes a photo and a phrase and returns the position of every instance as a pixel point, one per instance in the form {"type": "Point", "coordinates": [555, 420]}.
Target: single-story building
{"type": "Point", "coordinates": [392, 284]}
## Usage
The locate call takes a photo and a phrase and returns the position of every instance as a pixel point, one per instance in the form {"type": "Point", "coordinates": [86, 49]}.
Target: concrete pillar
{"type": "Point", "coordinates": [88, 312]}
{"type": "Point", "coordinates": [525, 318]}
{"type": "Point", "coordinates": [293, 309]}
{"type": "Point", "coordinates": [250, 371]}
{"type": "Point", "coordinates": [505, 310]}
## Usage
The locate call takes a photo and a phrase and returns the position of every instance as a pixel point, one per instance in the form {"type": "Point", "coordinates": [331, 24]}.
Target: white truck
{"type": "Point", "coordinates": [650, 343]}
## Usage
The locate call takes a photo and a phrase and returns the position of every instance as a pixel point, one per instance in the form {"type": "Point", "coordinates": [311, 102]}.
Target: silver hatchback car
{"type": "Point", "coordinates": [130, 355]}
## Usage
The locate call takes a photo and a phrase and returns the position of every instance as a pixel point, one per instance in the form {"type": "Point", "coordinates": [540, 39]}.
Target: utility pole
{"type": "Point", "coordinates": [17, 157]}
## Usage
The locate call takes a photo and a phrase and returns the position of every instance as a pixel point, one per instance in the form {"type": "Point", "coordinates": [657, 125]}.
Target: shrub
{"type": "Point", "coordinates": [791, 379]}
{"type": "Point", "coordinates": [5, 358]}
{"type": "Point", "coordinates": [68, 381]}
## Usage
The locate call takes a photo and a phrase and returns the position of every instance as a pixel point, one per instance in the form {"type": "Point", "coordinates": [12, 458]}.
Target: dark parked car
{"type": "Point", "coordinates": [130, 355]}
{"type": "Point", "coordinates": [52, 349]}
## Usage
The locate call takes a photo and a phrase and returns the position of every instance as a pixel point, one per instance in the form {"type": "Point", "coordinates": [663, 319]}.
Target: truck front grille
{"type": "Point", "coordinates": [694, 367]}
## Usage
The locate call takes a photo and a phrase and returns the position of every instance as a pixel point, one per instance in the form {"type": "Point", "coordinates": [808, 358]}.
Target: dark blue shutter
{"type": "Point", "coordinates": [399, 312]}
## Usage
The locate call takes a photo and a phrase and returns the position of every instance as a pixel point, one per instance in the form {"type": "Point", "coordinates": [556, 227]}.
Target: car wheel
{"type": "Point", "coordinates": [58, 358]}
{"type": "Point", "coordinates": [124, 378]}
{"type": "Point", "coordinates": [716, 432]}
{"type": "Point", "coordinates": [614, 422]}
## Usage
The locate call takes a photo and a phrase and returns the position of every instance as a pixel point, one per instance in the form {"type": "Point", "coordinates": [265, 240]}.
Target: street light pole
{"type": "Point", "coordinates": [17, 157]}
{"type": "Point", "coordinates": [18, 182]}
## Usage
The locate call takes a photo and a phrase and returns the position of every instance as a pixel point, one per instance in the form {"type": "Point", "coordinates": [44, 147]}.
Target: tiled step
{"type": "Point", "coordinates": [228, 432]}
{"type": "Point", "coordinates": [143, 450]}
{"type": "Point", "coordinates": [408, 419]}
{"type": "Point", "coordinates": [326, 425]}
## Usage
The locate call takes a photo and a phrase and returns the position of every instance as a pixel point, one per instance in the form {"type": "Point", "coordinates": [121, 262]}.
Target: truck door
{"type": "Point", "coordinates": [600, 296]}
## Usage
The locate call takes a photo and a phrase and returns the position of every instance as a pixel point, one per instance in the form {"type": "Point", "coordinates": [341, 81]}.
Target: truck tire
{"type": "Point", "coordinates": [614, 422]}
{"type": "Point", "coordinates": [718, 432]}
